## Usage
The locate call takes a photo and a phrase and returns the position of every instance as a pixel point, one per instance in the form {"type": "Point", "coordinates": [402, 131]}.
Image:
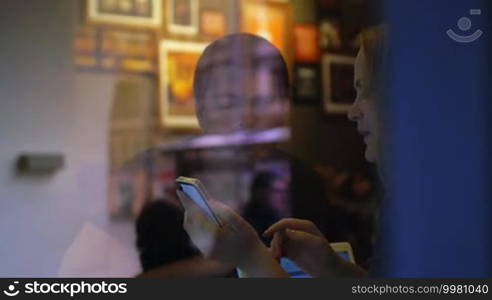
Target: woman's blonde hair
{"type": "Point", "coordinates": [373, 44]}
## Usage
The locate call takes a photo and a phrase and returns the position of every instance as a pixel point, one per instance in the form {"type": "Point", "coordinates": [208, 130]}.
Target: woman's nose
{"type": "Point", "coordinates": [354, 112]}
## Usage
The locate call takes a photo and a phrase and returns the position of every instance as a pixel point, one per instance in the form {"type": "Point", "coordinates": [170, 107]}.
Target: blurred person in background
{"type": "Point", "coordinates": [238, 244]}
{"type": "Point", "coordinates": [165, 248]}
{"type": "Point", "coordinates": [160, 237]}
{"type": "Point", "coordinates": [269, 201]}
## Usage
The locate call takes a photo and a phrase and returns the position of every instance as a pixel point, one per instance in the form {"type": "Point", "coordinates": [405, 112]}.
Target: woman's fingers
{"type": "Point", "coordinates": [297, 243]}
{"type": "Point", "coordinates": [190, 211]}
{"type": "Point", "coordinates": [297, 237]}
{"type": "Point", "coordinates": [293, 244]}
{"type": "Point", "coordinates": [185, 200]}
{"type": "Point", "coordinates": [194, 218]}
{"type": "Point", "coordinates": [290, 242]}
{"type": "Point", "coordinates": [276, 244]}
{"type": "Point", "coordinates": [226, 215]}
{"type": "Point", "coordinates": [195, 215]}
{"type": "Point", "coordinates": [295, 224]}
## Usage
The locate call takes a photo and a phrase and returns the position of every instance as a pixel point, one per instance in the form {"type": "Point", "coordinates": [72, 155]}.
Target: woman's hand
{"type": "Point", "coordinates": [236, 243]}
{"type": "Point", "coordinates": [302, 242]}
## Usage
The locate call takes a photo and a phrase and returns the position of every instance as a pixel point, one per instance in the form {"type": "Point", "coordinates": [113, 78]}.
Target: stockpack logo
{"type": "Point", "coordinates": [71, 289]}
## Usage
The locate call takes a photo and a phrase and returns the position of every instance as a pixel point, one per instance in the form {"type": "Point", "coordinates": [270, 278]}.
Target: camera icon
{"type": "Point", "coordinates": [464, 24]}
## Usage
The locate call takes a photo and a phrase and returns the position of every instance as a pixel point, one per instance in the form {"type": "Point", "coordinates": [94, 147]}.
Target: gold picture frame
{"type": "Point", "coordinates": [272, 20]}
{"type": "Point", "coordinates": [182, 16]}
{"type": "Point", "coordinates": [140, 13]}
{"type": "Point", "coordinates": [177, 63]}
{"type": "Point", "coordinates": [213, 23]}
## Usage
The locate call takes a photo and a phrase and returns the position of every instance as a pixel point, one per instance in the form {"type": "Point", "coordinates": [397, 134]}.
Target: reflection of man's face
{"type": "Point", "coordinates": [242, 97]}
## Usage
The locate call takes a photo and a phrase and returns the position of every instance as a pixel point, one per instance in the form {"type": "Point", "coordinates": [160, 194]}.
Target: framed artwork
{"type": "Point", "coordinates": [177, 66]}
{"type": "Point", "coordinates": [85, 48]}
{"type": "Point", "coordinates": [307, 84]}
{"type": "Point", "coordinates": [342, 20]}
{"type": "Point", "coordinates": [146, 13]}
{"type": "Point", "coordinates": [182, 16]}
{"type": "Point", "coordinates": [330, 36]}
{"type": "Point", "coordinates": [126, 50]}
{"type": "Point", "coordinates": [338, 78]}
{"type": "Point", "coordinates": [213, 23]}
{"type": "Point", "coordinates": [270, 20]}
{"type": "Point", "coordinates": [306, 43]}
{"type": "Point", "coordinates": [215, 4]}
{"type": "Point", "coordinates": [115, 49]}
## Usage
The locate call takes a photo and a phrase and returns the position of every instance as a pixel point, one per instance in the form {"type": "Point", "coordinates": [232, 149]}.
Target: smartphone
{"type": "Point", "coordinates": [292, 269]}
{"type": "Point", "coordinates": [343, 249]}
{"type": "Point", "coordinates": [195, 190]}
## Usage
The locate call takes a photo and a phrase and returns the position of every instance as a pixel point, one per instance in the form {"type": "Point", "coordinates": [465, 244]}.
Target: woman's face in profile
{"type": "Point", "coordinates": [363, 111]}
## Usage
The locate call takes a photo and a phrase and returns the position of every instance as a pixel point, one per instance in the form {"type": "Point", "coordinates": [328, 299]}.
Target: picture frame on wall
{"type": "Point", "coordinates": [182, 16]}
{"type": "Point", "coordinates": [178, 60]}
{"type": "Point", "coordinates": [271, 20]}
{"type": "Point", "coordinates": [307, 82]}
{"type": "Point", "coordinates": [85, 50]}
{"type": "Point", "coordinates": [140, 13]}
{"type": "Point", "coordinates": [337, 78]}
{"type": "Point", "coordinates": [307, 43]}
{"type": "Point", "coordinates": [213, 23]}
{"type": "Point", "coordinates": [124, 50]}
